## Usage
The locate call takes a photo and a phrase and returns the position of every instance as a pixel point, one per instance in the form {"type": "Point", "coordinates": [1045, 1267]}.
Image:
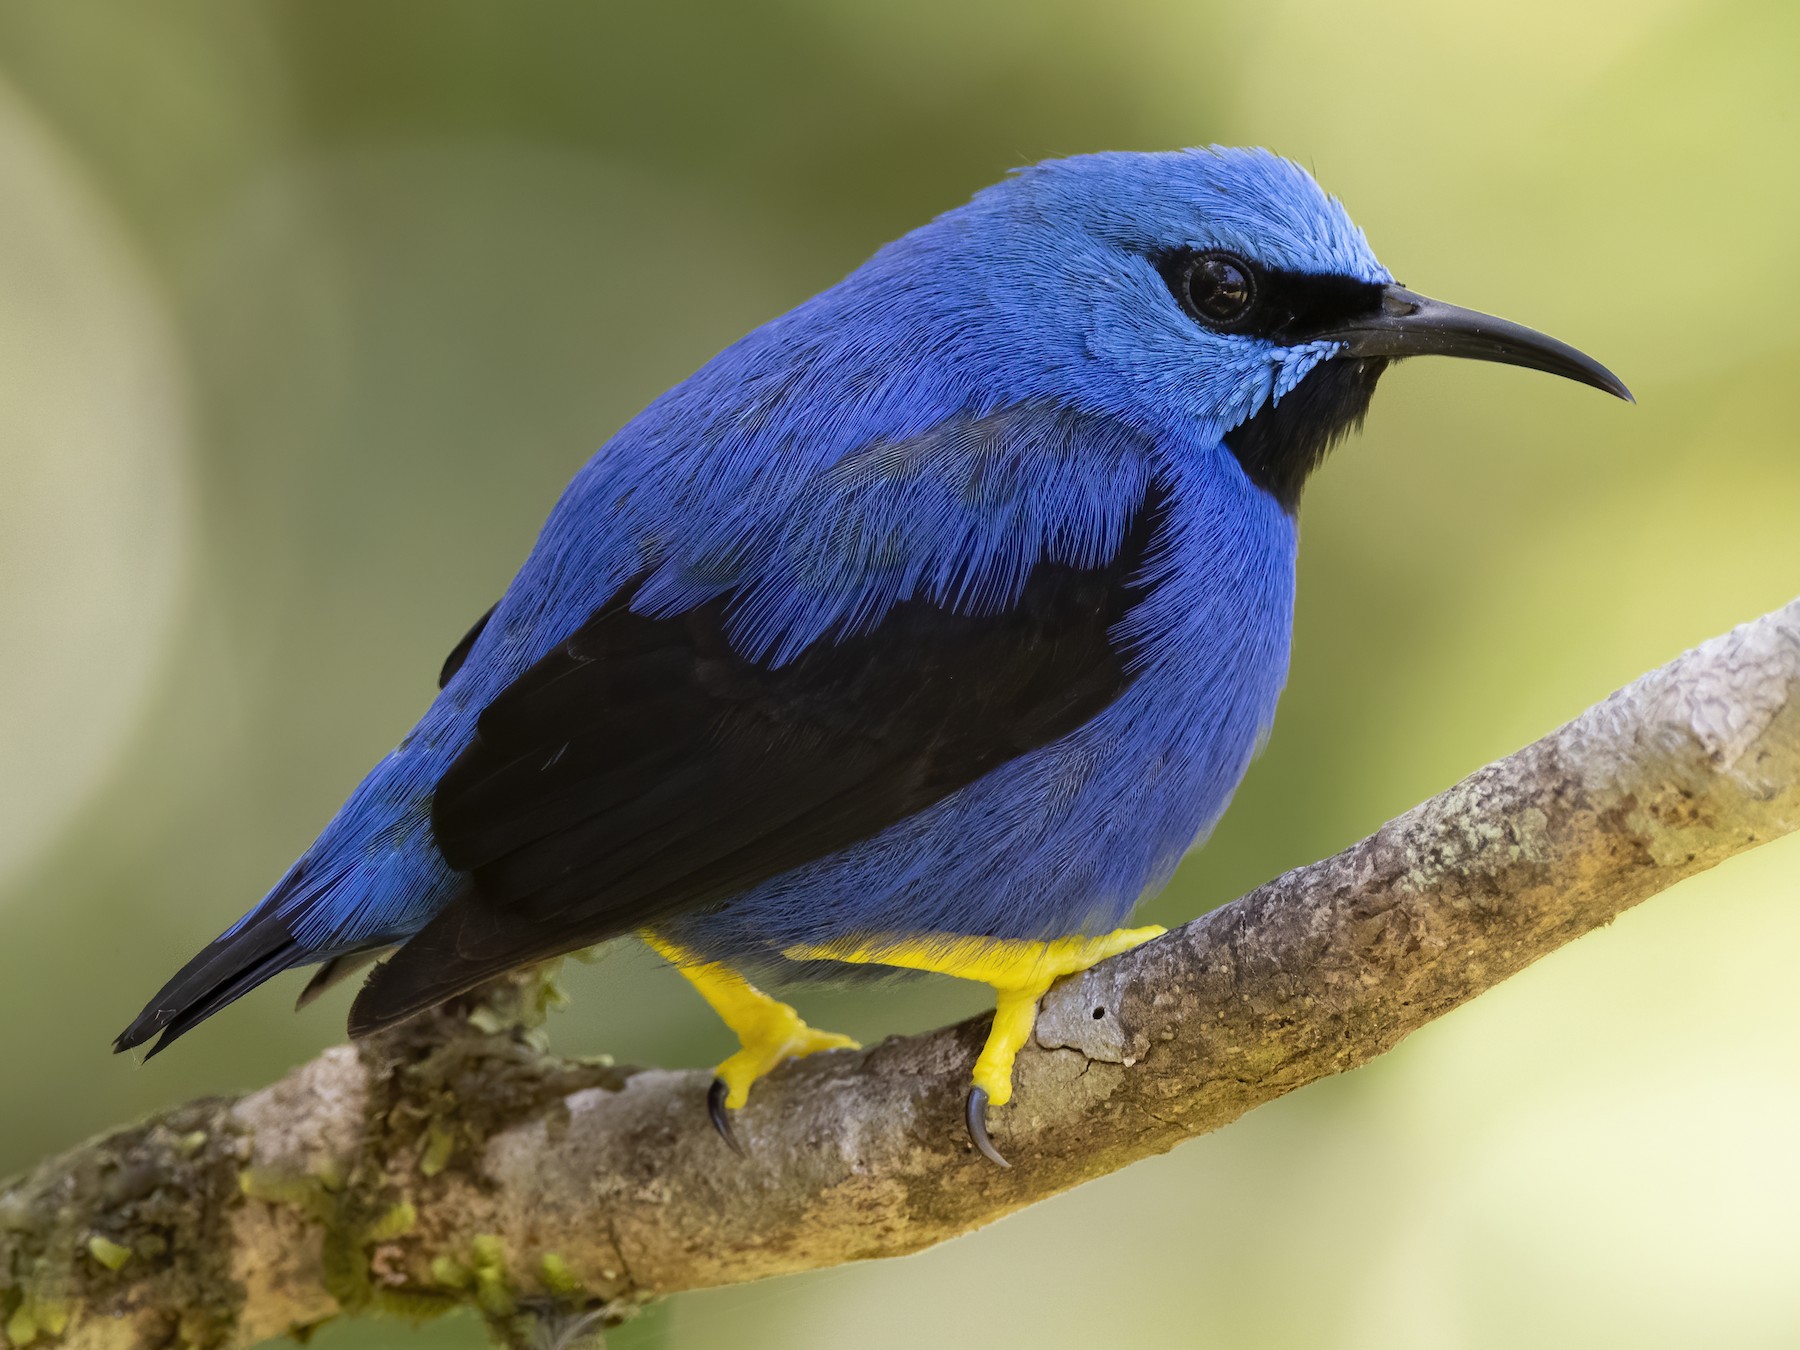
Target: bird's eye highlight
{"type": "Point", "coordinates": [1219, 288]}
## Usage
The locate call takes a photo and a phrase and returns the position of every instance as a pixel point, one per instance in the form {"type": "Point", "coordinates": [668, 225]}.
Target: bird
{"type": "Point", "coordinates": [924, 628]}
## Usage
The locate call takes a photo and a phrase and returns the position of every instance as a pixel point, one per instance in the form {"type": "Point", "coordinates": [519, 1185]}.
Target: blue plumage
{"type": "Point", "coordinates": [984, 419]}
{"type": "Point", "coordinates": [1067, 838]}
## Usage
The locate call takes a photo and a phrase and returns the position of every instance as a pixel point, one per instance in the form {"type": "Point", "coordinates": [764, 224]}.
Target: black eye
{"type": "Point", "coordinates": [1218, 288]}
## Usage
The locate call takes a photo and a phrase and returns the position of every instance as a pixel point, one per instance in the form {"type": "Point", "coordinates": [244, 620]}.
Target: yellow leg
{"type": "Point", "coordinates": [768, 1030]}
{"type": "Point", "coordinates": [1020, 972]}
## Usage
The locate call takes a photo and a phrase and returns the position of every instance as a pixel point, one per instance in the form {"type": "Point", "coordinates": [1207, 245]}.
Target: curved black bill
{"type": "Point", "coordinates": [1410, 324]}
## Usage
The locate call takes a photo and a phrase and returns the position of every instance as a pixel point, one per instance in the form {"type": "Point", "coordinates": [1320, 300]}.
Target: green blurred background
{"type": "Point", "coordinates": [311, 308]}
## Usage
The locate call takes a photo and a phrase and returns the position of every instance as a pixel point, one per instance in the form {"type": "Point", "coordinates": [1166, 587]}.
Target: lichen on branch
{"type": "Point", "coordinates": [456, 1162]}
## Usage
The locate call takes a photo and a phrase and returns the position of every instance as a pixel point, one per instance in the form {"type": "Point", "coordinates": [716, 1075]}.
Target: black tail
{"type": "Point", "coordinates": [223, 973]}
{"type": "Point", "coordinates": [334, 971]}
{"type": "Point", "coordinates": [465, 945]}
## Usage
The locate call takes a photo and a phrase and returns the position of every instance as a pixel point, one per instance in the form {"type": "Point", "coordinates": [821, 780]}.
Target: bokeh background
{"type": "Point", "coordinates": [310, 308]}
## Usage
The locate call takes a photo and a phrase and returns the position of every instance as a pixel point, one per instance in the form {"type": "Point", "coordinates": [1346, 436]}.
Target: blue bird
{"type": "Point", "coordinates": [924, 628]}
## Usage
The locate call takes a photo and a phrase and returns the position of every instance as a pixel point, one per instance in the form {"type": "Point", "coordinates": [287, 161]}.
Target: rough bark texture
{"type": "Point", "coordinates": [456, 1162]}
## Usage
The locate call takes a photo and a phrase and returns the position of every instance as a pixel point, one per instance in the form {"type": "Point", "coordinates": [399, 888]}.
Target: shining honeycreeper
{"type": "Point", "coordinates": [924, 628]}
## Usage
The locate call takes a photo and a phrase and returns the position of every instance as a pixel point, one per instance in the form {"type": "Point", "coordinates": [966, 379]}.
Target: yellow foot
{"type": "Point", "coordinates": [768, 1030]}
{"type": "Point", "coordinates": [775, 1033]}
{"type": "Point", "coordinates": [1020, 972]}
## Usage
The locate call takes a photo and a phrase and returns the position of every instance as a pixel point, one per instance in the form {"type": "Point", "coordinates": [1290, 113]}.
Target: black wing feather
{"type": "Point", "coordinates": [645, 768]}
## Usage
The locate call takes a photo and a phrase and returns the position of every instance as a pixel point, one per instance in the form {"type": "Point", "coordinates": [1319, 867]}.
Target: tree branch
{"type": "Point", "coordinates": [455, 1162]}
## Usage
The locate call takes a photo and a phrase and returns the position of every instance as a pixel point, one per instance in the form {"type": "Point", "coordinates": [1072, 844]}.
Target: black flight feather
{"type": "Point", "coordinates": [645, 768]}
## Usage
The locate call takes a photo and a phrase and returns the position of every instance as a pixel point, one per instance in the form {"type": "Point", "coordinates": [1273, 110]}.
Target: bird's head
{"type": "Point", "coordinates": [1221, 289]}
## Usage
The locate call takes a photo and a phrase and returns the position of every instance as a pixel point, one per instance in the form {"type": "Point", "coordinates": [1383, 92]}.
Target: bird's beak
{"type": "Point", "coordinates": [1410, 324]}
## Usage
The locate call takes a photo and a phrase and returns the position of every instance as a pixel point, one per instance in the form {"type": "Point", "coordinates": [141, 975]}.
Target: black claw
{"type": "Point", "coordinates": [721, 1115]}
{"type": "Point", "coordinates": [975, 1116]}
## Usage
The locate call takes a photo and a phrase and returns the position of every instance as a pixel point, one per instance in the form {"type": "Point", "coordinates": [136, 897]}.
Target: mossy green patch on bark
{"type": "Point", "coordinates": [492, 1292]}
{"type": "Point", "coordinates": [396, 1222]}
{"type": "Point", "coordinates": [21, 1327]}
{"type": "Point", "coordinates": [112, 1255]}
{"type": "Point", "coordinates": [556, 1275]}
{"type": "Point", "coordinates": [134, 1210]}
{"type": "Point", "coordinates": [440, 1148]}
{"type": "Point", "coordinates": [451, 1273]}
{"type": "Point", "coordinates": [305, 1193]}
